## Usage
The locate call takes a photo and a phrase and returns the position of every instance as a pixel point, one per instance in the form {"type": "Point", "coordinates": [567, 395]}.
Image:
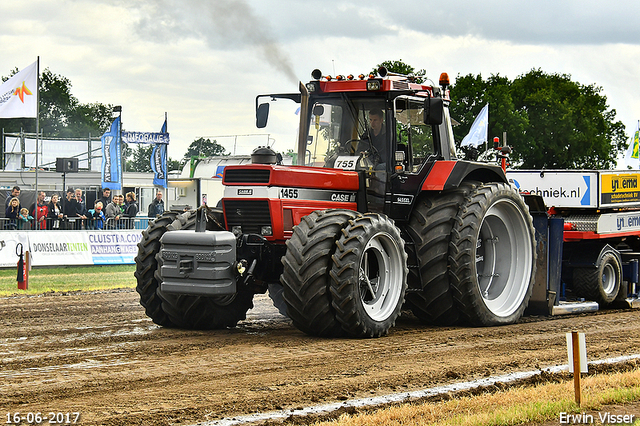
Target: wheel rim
{"type": "Point", "coordinates": [504, 256]}
{"type": "Point", "coordinates": [380, 277]}
{"type": "Point", "coordinates": [608, 279]}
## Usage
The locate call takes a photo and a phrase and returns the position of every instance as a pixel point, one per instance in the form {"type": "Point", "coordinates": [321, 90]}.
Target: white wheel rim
{"type": "Point", "coordinates": [504, 256]}
{"type": "Point", "coordinates": [380, 276]}
{"type": "Point", "coordinates": [608, 279]}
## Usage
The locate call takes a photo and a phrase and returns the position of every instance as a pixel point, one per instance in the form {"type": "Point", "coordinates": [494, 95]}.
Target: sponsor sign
{"type": "Point", "coordinates": [113, 247]}
{"type": "Point", "coordinates": [619, 189]}
{"type": "Point", "coordinates": [145, 137]}
{"type": "Point", "coordinates": [58, 248]}
{"type": "Point", "coordinates": [618, 222]}
{"type": "Point", "coordinates": [8, 242]}
{"type": "Point", "coordinates": [559, 189]}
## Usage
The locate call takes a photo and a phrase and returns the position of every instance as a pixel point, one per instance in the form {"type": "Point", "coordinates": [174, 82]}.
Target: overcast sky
{"type": "Point", "coordinates": [203, 62]}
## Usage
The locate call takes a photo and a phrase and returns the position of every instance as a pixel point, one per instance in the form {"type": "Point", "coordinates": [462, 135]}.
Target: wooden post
{"type": "Point", "coordinates": [576, 366]}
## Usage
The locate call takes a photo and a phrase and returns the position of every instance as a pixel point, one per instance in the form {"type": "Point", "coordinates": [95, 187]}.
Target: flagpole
{"type": "Point", "coordinates": [37, 124]}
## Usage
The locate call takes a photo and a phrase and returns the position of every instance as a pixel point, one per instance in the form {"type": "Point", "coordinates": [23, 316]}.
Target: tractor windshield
{"type": "Point", "coordinates": [348, 133]}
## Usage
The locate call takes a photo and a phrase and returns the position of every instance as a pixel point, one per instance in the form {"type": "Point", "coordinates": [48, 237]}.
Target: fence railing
{"type": "Point", "coordinates": [74, 224]}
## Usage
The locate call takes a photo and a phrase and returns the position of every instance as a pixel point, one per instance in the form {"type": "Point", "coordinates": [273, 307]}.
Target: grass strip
{"type": "Point", "coordinates": [71, 278]}
{"type": "Point", "coordinates": [513, 406]}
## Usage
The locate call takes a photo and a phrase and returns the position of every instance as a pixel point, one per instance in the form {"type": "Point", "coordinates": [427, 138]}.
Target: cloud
{"type": "Point", "coordinates": [223, 24]}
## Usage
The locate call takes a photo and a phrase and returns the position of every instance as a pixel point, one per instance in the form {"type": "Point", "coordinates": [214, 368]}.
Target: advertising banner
{"type": "Point", "coordinates": [145, 137]}
{"type": "Point", "coordinates": [59, 248]}
{"type": "Point", "coordinates": [159, 160]}
{"type": "Point", "coordinates": [65, 248]}
{"type": "Point", "coordinates": [112, 157]}
{"type": "Point", "coordinates": [619, 188]}
{"type": "Point", "coordinates": [558, 189]}
{"type": "Point", "coordinates": [8, 243]}
{"type": "Point", "coordinates": [114, 247]}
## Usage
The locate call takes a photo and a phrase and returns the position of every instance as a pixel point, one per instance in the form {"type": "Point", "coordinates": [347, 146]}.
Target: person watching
{"type": "Point", "coordinates": [39, 210]}
{"type": "Point", "coordinates": [113, 213]}
{"type": "Point", "coordinates": [156, 208]}
{"type": "Point", "coordinates": [15, 193]}
{"type": "Point", "coordinates": [12, 213]}
{"type": "Point", "coordinates": [54, 213]}
{"type": "Point", "coordinates": [131, 209]}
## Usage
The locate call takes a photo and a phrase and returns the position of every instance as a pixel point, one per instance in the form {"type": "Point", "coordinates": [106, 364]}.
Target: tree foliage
{"type": "Point", "coordinates": [551, 121]}
{"type": "Point", "coordinates": [140, 158]}
{"type": "Point", "coordinates": [203, 148]}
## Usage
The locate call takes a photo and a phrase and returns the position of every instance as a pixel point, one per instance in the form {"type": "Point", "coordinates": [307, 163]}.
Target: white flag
{"type": "Point", "coordinates": [479, 129]}
{"type": "Point", "coordinates": [19, 94]}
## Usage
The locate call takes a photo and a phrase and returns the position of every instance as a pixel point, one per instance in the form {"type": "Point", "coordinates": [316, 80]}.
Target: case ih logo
{"type": "Point", "coordinates": [245, 191]}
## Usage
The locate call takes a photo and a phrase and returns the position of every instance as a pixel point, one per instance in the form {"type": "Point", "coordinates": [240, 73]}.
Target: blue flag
{"type": "Point", "coordinates": [112, 157]}
{"type": "Point", "coordinates": [159, 160]}
{"type": "Point", "coordinates": [479, 129]}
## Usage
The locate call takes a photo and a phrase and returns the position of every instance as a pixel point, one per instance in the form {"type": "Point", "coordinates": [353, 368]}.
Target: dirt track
{"type": "Point", "coordinates": [98, 354]}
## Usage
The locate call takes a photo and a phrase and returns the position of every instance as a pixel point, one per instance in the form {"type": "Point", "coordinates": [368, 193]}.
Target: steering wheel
{"type": "Point", "coordinates": [348, 145]}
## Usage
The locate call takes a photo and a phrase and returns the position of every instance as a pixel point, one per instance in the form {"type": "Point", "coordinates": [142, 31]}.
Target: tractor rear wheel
{"type": "Point", "coordinates": [601, 284]}
{"type": "Point", "coordinates": [492, 256]}
{"type": "Point", "coordinates": [430, 228]}
{"type": "Point", "coordinates": [369, 276]}
{"type": "Point", "coordinates": [191, 312]}
{"type": "Point", "coordinates": [305, 277]}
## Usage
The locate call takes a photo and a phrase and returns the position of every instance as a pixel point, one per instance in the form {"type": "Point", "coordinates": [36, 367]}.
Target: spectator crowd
{"type": "Point", "coordinates": [71, 212]}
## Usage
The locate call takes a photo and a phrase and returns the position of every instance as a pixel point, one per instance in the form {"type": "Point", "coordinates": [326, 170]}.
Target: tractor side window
{"type": "Point", "coordinates": [324, 133]}
{"type": "Point", "coordinates": [413, 136]}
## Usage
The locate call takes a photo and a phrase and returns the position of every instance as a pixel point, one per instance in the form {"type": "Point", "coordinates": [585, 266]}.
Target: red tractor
{"type": "Point", "coordinates": [377, 216]}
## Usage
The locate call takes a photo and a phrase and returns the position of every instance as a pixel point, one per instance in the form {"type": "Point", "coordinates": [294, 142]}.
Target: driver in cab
{"type": "Point", "coordinates": [375, 138]}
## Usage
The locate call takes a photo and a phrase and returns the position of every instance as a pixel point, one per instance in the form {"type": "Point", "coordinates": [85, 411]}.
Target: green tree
{"type": "Point", "coordinates": [551, 121]}
{"type": "Point", "coordinates": [140, 158]}
{"type": "Point", "coordinates": [60, 113]}
{"type": "Point", "coordinates": [203, 148]}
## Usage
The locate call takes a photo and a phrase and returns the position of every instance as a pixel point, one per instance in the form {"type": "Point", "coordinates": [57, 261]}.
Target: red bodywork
{"type": "Point", "coordinates": [287, 212]}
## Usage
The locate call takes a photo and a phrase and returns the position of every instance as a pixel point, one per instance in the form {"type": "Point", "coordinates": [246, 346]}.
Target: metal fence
{"type": "Point", "coordinates": [74, 224]}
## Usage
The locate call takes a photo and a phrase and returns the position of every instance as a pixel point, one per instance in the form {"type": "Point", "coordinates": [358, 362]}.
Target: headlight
{"type": "Point", "coordinates": [374, 85]}
{"type": "Point", "coordinates": [266, 230]}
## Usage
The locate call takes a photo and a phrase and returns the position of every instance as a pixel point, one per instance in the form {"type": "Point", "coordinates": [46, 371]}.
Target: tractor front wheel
{"type": "Point", "coordinates": [369, 276]}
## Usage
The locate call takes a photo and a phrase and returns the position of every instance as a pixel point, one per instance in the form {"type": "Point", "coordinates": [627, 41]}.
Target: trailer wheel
{"type": "Point", "coordinates": [369, 276]}
{"type": "Point", "coordinates": [191, 312]}
{"type": "Point", "coordinates": [305, 277]}
{"type": "Point", "coordinates": [600, 284]}
{"type": "Point", "coordinates": [430, 228]}
{"type": "Point", "coordinates": [492, 256]}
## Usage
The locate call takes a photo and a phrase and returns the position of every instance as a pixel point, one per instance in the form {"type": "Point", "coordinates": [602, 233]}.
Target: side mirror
{"type": "Point", "coordinates": [262, 114]}
{"type": "Point", "coordinates": [433, 111]}
{"type": "Point", "coordinates": [318, 110]}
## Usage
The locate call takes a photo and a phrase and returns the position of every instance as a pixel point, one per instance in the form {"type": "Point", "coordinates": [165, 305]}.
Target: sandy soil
{"type": "Point", "coordinates": [98, 354]}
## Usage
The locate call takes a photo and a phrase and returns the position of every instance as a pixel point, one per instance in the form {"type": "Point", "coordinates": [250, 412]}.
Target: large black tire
{"type": "Point", "coordinates": [276, 294]}
{"type": "Point", "coordinates": [369, 276]}
{"type": "Point", "coordinates": [305, 277]}
{"type": "Point", "coordinates": [492, 256]}
{"type": "Point", "coordinates": [430, 228]}
{"type": "Point", "coordinates": [601, 284]}
{"type": "Point", "coordinates": [191, 312]}
{"type": "Point", "coordinates": [146, 266]}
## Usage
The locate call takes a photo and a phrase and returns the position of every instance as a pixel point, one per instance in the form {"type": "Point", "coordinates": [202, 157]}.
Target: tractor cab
{"type": "Point", "coordinates": [385, 127]}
